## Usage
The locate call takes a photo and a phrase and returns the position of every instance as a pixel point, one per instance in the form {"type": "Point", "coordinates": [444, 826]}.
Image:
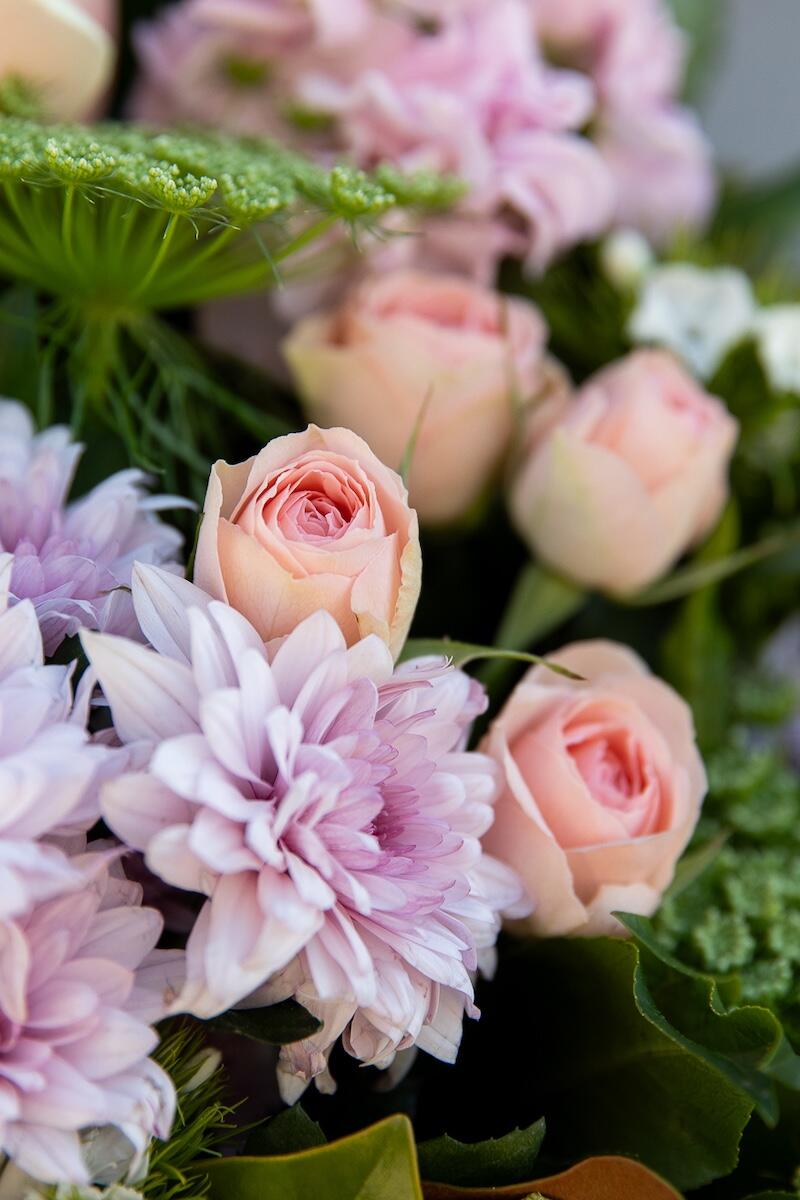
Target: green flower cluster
{"type": "Point", "coordinates": [735, 909]}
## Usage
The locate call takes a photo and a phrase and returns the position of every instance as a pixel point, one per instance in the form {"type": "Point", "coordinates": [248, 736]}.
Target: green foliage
{"type": "Point", "coordinates": [122, 217]}
{"type": "Point", "coordinates": [277, 1025]}
{"type": "Point", "coordinates": [374, 1164]}
{"type": "Point", "coordinates": [492, 1163]}
{"type": "Point", "coordinates": [742, 911]}
{"type": "Point", "coordinates": [623, 1049]}
{"type": "Point", "coordinates": [287, 1133]}
{"type": "Point", "coordinates": [202, 1120]}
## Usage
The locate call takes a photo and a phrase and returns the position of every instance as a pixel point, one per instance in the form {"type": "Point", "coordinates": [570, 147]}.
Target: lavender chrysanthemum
{"type": "Point", "coordinates": [49, 768]}
{"type": "Point", "coordinates": [71, 559]}
{"type": "Point", "coordinates": [325, 805]}
{"type": "Point", "coordinates": [78, 989]}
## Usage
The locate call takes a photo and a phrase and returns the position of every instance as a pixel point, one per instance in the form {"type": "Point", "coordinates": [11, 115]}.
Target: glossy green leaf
{"type": "Point", "coordinates": [379, 1163]}
{"type": "Point", "coordinates": [494, 1162]}
{"type": "Point", "coordinates": [279, 1024]}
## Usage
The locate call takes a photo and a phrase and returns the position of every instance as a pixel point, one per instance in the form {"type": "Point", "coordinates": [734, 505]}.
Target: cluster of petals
{"type": "Point", "coordinates": [73, 560]}
{"type": "Point", "coordinates": [80, 985]}
{"type": "Point", "coordinates": [50, 770]}
{"type": "Point", "coordinates": [325, 805]}
{"type": "Point", "coordinates": [552, 149]}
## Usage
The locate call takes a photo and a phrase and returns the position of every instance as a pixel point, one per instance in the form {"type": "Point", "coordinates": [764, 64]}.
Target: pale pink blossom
{"type": "Point", "coordinates": [224, 62]}
{"type": "Point", "coordinates": [325, 805]}
{"type": "Point", "coordinates": [632, 49]}
{"type": "Point", "coordinates": [79, 988]}
{"type": "Point", "coordinates": [49, 769]}
{"type": "Point", "coordinates": [660, 162]}
{"type": "Point", "coordinates": [73, 560]}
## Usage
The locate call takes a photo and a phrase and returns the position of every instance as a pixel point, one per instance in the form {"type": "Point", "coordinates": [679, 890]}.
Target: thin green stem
{"type": "Point", "coordinates": [158, 257]}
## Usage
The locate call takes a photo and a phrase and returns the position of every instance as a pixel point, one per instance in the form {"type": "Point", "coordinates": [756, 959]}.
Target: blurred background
{"type": "Point", "coordinates": [750, 107]}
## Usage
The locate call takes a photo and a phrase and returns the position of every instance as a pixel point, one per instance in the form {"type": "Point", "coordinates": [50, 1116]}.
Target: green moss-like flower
{"type": "Point", "coordinates": [129, 218]}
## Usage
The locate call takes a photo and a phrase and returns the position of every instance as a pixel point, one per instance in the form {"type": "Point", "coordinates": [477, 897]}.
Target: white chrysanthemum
{"type": "Point", "coordinates": [777, 331]}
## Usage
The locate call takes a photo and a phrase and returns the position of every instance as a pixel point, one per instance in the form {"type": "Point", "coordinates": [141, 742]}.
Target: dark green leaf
{"type": "Point", "coordinates": [279, 1024]}
{"type": "Point", "coordinates": [493, 1163]}
{"type": "Point", "coordinates": [19, 346]}
{"type": "Point", "coordinates": [376, 1164]}
{"type": "Point", "coordinates": [287, 1133]}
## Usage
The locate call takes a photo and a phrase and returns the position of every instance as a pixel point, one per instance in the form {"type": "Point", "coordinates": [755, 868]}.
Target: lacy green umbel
{"type": "Point", "coordinates": [109, 225]}
{"type": "Point", "coordinates": [125, 217]}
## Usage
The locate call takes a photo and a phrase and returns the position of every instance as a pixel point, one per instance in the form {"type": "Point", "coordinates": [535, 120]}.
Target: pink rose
{"type": "Point", "coordinates": [313, 522]}
{"type": "Point", "coordinates": [407, 347]}
{"type": "Point", "coordinates": [661, 164]}
{"type": "Point", "coordinates": [629, 474]}
{"type": "Point", "coordinates": [603, 788]}
{"type": "Point", "coordinates": [63, 49]}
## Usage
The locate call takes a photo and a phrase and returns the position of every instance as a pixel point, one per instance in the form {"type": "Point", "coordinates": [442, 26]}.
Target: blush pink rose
{"type": "Point", "coordinates": [315, 521]}
{"type": "Point", "coordinates": [627, 475]}
{"type": "Point", "coordinates": [63, 49]}
{"type": "Point", "coordinates": [410, 350]}
{"type": "Point", "coordinates": [603, 789]}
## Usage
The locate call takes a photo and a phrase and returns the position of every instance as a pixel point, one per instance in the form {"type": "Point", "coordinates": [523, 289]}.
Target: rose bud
{"type": "Point", "coordinates": [434, 354]}
{"type": "Point", "coordinates": [315, 521]}
{"type": "Point", "coordinates": [629, 475]}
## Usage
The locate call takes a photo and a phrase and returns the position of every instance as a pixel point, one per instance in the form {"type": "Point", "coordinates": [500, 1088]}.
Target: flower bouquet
{"type": "Point", "coordinates": [399, 632]}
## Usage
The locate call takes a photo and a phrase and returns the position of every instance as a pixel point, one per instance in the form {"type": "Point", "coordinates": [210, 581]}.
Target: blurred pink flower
{"type": "Point", "coordinates": [632, 49]}
{"type": "Point", "coordinates": [72, 559]}
{"type": "Point", "coordinates": [49, 770]}
{"type": "Point", "coordinates": [224, 62]}
{"type": "Point", "coordinates": [78, 990]}
{"type": "Point", "coordinates": [327, 808]}
{"type": "Point", "coordinates": [660, 162]}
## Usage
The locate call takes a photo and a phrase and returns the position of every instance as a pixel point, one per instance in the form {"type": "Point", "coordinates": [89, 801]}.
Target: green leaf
{"type": "Point", "coordinates": [19, 345]}
{"type": "Point", "coordinates": [493, 1163]}
{"type": "Point", "coordinates": [463, 653]}
{"type": "Point", "coordinates": [287, 1133]}
{"type": "Point", "coordinates": [624, 1051]}
{"type": "Point", "coordinates": [378, 1163]}
{"type": "Point", "coordinates": [279, 1024]}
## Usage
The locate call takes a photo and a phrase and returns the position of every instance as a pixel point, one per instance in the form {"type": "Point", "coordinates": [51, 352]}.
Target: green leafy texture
{"type": "Point", "coordinates": [493, 1163]}
{"type": "Point", "coordinates": [374, 1164]}
{"type": "Point", "coordinates": [277, 1025]}
{"type": "Point", "coordinates": [287, 1133]}
{"type": "Point", "coordinates": [123, 217]}
{"type": "Point", "coordinates": [202, 1120]}
{"type": "Point", "coordinates": [739, 913]}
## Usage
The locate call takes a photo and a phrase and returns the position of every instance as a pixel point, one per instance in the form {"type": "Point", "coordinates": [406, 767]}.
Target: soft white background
{"type": "Point", "coordinates": [752, 109]}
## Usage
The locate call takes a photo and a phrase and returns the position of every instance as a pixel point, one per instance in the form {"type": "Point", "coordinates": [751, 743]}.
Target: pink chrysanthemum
{"type": "Point", "coordinates": [327, 808]}
{"type": "Point", "coordinates": [49, 769]}
{"type": "Point", "coordinates": [78, 988]}
{"type": "Point", "coordinates": [72, 559]}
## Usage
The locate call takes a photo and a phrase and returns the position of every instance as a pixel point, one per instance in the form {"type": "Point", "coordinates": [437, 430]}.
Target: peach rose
{"type": "Point", "coordinates": [64, 49]}
{"type": "Point", "coordinates": [632, 472]}
{"type": "Point", "coordinates": [407, 341]}
{"type": "Point", "coordinates": [603, 786]}
{"type": "Point", "coordinates": [315, 521]}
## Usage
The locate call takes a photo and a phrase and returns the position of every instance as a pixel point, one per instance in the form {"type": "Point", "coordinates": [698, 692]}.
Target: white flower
{"type": "Point", "coordinates": [626, 258]}
{"type": "Point", "coordinates": [699, 314]}
{"type": "Point", "coordinates": [777, 332]}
